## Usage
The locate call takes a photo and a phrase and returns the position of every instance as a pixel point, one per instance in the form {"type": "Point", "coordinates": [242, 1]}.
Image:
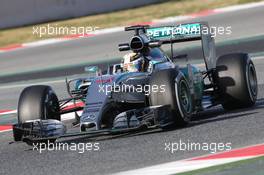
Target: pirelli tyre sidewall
{"type": "Point", "coordinates": [38, 102]}
{"type": "Point", "coordinates": [237, 81]}
{"type": "Point", "coordinates": [176, 94]}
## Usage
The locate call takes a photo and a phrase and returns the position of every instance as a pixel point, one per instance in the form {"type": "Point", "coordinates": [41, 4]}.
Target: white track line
{"type": "Point", "coordinates": [43, 42]}
{"type": "Point", "coordinates": [180, 166]}
{"type": "Point", "coordinates": [200, 162]}
{"type": "Point", "coordinates": [6, 130]}
{"type": "Point", "coordinates": [31, 84]}
{"type": "Point", "coordinates": [8, 112]}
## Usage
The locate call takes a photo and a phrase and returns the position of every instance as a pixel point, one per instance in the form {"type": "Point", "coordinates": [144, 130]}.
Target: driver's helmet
{"type": "Point", "coordinates": [133, 62]}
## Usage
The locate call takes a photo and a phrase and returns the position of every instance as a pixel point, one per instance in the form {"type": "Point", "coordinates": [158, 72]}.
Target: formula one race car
{"type": "Point", "coordinates": [147, 90]}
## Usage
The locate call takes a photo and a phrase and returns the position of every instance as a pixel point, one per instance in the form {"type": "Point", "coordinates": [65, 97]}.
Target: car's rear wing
{"type": "Point", "coordinates": [187, 32]}
{"type": "Point", "coordinates": [179, 33]}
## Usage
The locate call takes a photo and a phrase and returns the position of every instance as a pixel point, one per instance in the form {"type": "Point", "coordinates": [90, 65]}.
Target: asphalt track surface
{"type": "Point", "coordinates": [241, 127]}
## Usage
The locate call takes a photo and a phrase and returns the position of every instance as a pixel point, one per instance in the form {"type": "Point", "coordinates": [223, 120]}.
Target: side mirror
{"type": "Point", "coordinates": [153, 44]}
{"type": "Point", "coordinates": [180, 56]}
{"type": "Point", "coordinates": [92, 70]}
{"type": "Point", "coordinates": [123, 47]}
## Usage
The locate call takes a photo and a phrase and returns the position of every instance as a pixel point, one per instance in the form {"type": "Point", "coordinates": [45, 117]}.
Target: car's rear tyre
{"type": "Point", "coordinates": [237, 81]}
{"type": "Point", "coordinates": [38, 102]}
{"type": "Point", "coordinates": [176, 93]}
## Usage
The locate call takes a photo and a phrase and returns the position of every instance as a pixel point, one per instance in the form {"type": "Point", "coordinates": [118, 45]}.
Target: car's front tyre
{"type": "Point", "coordinates": [38, 102]}
{"type": "Point", "coordinates": [176, 93]}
